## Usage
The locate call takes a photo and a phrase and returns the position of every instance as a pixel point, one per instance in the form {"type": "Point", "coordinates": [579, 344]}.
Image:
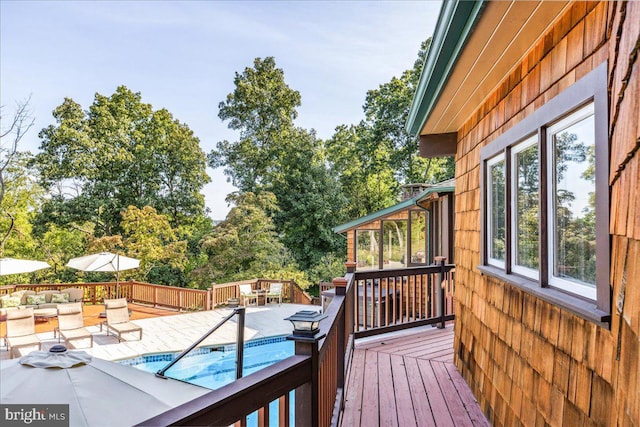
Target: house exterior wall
{"type": "Point", "coordinates": [527, 361]}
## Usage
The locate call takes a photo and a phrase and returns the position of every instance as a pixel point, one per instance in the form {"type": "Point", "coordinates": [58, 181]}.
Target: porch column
{"type": "Point", "coordinates": [440, 260]}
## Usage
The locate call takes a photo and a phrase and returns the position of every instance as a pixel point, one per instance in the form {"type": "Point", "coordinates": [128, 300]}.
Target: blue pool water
{"type": "Point", "coordinates": [213, 367]}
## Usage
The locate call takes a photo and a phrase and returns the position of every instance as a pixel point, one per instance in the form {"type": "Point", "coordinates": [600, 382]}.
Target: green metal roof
{"type": "Point", "coordinates": [455, 25]}
{"type": "Point", "coordinates": [443, 187]}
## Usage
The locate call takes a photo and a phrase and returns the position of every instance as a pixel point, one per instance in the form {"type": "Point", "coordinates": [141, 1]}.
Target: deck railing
{"type": "Point", "coordinates": [168, 296]}
{"type": "Point", "coordinates": [138, 292]}
{"type": "Point", "coordinates": [316, 372]}
{"type": "Point", "coordinates": [389, 300]}
{"type": "Point", "coordinates": [363, 303]}
{"type": "Point", "coordinates": [291, 291]}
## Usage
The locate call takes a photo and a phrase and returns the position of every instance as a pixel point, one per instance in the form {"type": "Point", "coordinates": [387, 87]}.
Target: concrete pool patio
{"type": "Point", "coordinates": [174, 333]}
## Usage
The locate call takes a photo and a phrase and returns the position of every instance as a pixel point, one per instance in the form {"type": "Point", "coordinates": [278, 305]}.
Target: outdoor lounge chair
{"type": "Point", "coordinates": [275, 292]}
{"type": "Point", "coordinates": [118, 318]}
{"type": "Point", "coordinates": [248, 295]}
{"type": "Point", "coordinates": [21, 330]}
{"type": "Point", "coordinates": [71, 324]}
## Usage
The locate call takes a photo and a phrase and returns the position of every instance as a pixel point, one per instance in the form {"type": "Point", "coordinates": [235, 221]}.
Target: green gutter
{"type": "Point", "coordinates": [455, 24]}
{"type": "Point", "coordinates": [391, 209]}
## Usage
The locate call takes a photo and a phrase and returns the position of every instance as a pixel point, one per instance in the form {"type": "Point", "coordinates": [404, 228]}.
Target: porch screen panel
{"type": "Point", "coordinates": [394, 244]}
{"type": "Point", "coordinates": [419, 254]}
{"type": "Point", "coordinates": [367, 249]}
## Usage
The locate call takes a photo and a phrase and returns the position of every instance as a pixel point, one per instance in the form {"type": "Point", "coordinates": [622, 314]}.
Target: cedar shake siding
{"type": "Point", "coordinates": [528, 360]}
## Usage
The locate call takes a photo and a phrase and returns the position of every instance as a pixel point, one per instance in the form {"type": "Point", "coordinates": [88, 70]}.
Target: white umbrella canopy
{"type": "Point", "coordinates": [17, 266]}
{"type": "Point", "coordinates": [104, 261]}
{"type": "Point", "coordinates": [98, 392]}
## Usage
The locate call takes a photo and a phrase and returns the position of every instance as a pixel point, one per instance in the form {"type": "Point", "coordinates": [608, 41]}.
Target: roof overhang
{"type": "Point", "coordinates": [435, 191]}
{"type": "Point", "coordinates": [474, 46]}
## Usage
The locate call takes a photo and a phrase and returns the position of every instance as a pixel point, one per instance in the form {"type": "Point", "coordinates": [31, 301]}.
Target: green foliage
{"type": "Point", "coordinates": [273, 155]}
{"type": "Point", "coordinates": [365, 180]}
{"type": "Point", "coordinates": [575, 243]}
{"type": "Point", "coordinates": [124, 177]}
{"type": "Point", "coordinates": [372, 159]}
{"type": "Point", "coordinates": [245, 244]}
{"type": "Point", "coordinates": [58, 246]}
{"type": "Point", "coordinates": [120, 153]}
{"type": "Point", "coordinates": [288, 273]}
{"type": "Point", "coordinates": [309, 203]}
{"type": "Point", "coordinates": [328, 268]}
{"type": "Point", "coordinates": [262, 108]}
{"type": "Point", "coordinates": [150, 238]}
{"type": "Point", "coordinates": [21, 198]}
{"type": "Point", "coordinates": [387, 110]}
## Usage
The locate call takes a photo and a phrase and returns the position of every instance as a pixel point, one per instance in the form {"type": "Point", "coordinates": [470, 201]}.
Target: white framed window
{"type": "Point", "coordinates": [556, 237]}
{"type": "Point", "coordinates": [525, 206]}
{"type": "Point", "coordinates": [496, 211]}
{"type": "Point", "coordinates": [571, 203]}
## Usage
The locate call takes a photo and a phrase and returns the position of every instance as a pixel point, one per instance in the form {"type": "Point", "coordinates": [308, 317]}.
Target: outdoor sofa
{"type": "Point", "coordinates": [39, 300]}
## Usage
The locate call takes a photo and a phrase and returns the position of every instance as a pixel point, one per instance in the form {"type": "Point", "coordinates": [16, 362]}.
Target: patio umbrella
{"type": "Point", "coordinates": [104, 261]}
{"type": "Point", "coordinates": [98, 392]}
{"type": "Point", "coordinates": [17, 266]}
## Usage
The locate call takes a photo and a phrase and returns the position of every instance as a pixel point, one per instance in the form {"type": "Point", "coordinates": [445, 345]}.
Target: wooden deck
{"type": "Point", "coordinates": [409, 380]}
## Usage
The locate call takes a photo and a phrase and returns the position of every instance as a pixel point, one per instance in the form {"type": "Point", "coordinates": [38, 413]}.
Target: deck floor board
{"type": "Point", "coordinates": [404, 406]}
{"type": "Point", "coordinates": [370, 397]}
{"type": "Point", "coordinates": [408, 380]}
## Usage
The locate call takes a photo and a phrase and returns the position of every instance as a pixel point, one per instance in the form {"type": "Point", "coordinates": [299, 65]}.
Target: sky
{"type": "Point", "coordinates": [182, 56]}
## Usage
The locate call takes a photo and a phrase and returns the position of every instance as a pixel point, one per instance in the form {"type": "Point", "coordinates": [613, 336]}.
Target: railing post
{"type": "Point", "coordinates": [240, 342]}
{"type": "Point", "coordinates": [351, 266]}
{"type": "Point", "coordinates": [441, 260]}
{"type": "Point", "coordinates": [340, 284]}
{"type": "Point", "coordinates": [292, 298]}
{"type": "Point", "coordinates": [307, 405]}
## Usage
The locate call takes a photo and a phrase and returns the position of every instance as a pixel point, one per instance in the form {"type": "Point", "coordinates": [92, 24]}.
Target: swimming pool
{"type": "Point", "coordinates": [213, 367]}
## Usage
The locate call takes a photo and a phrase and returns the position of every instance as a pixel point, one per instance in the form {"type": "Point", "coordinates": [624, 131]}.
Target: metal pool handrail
{"type": "Point", "coordinates": [239, 344]}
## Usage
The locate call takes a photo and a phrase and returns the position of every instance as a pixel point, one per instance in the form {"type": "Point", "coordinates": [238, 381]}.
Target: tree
{"type": "Point", "coordinates": [245, 244]}
{"type": "Point", "coordinates": [275, 156]}
{"type": "Point", "coordinates": [120, 153]}
{"type": "Point", "coordinates": [310, 203]}
{"type": "Point", "coordinates": [149, 237]}
{"type": "Point", "coordinates": [58, 245]}
{"type": "Point", "coordinates": [10, 136]}
{"type": "Point", "coordinates": [376, 156]}
{"type": "Point", "coordinates": [11, 163]}
{"type": "Point", "coordinates": [21, 199]}
{"type": "Point", "coordinates": [366, 180]}
{"type": "Point", "coordinates": [262, 108]}
{"type": "Point", "coordinates": [387, 110]}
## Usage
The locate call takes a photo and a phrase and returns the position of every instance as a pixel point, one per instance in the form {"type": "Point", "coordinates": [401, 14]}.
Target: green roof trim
{"type": "Point", "coordinates": [372, 216]}
{"type": "Point", "coordinates": [395, 208]}
{"type": "Point", "coordinates": [455, 24]}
